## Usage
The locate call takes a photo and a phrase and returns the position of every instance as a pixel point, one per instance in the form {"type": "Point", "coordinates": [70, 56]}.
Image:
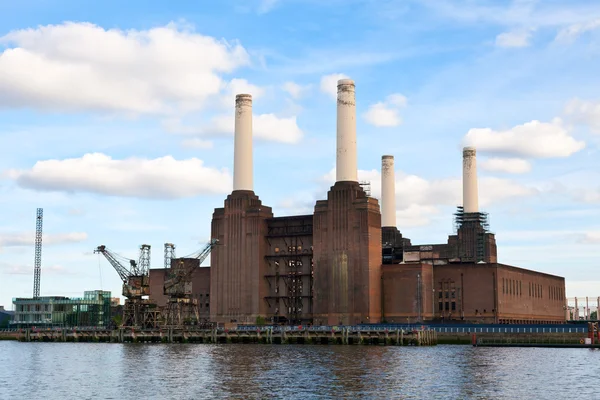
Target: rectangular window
{"type": "Point", "coordinates": [447, 307]}
{"type": "Point", "coordinates": [503, 288]}
{"type": "Point", "coordinates": [441, 306]}
{"type": "Point", "coordinates": [453, 306]}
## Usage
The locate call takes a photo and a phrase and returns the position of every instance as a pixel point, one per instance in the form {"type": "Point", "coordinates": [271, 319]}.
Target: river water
{"type": "Point", "coordinates": [205, 371]}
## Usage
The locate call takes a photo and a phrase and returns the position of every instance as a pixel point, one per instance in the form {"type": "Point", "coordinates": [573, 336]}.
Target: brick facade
{"type": "Point", "coordinates": [347, 257]}
{"type": "Point", "coordinates": [238, 265]}
{"type": "Point", "coordinates": [469, 292]}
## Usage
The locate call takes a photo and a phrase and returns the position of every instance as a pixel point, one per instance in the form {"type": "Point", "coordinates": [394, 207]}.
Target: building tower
{"type": "Point", "coordinates": [473, 242]}
{"type": "Point", "coordinates": [392, 242]}
{"type": "Point", "coordinates": [347, 234]}
{"type": "Point", "coordinates": [237, 286]}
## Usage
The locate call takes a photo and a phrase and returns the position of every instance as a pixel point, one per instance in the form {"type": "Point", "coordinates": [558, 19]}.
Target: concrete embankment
{"type": "Point", "coordinates": [9, 336]}
{"type": "Point", "coordinates": [541, 338]}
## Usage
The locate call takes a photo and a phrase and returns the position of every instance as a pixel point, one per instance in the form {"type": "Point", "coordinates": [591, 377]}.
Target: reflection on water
{"type": "Point", "coordinates": [192, 371]}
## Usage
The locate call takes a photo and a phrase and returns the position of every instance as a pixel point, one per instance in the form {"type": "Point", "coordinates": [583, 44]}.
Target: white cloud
{"type": "Point", "coordinates": [270, 127]}
{"type": "Point", "coordinates": [418, 199]}
{"type": "Point", "coordinates": [386, 114]}
{"type": "Point", "coordinates": [586, 112]}
{"type": "Point", "coordinates": [588, 195]}
{"type": "Point", "coordinates": [590, 237]}
{"type": "Point", "coordinates": [20, 269]}
{"type": "Point", "coordinates": [295, 90]}
{"type": "Point", "coordinates": [160, 178]}
{"type": "Point", "coordinates": [509, 165]}
{"type": "Point", "coordinates": [239, 86]}
{"type": "Point", "coordinates": [533, 139]}
{"type": "Point", "coordinates": [28, 239]}
{"type": "Point", "coordinates": [81, 66]}
{"type": "Point", "coordinates": [572, 32]}
{"type": "Point", "coordinates": [513, 39]}
{"type": "Point", "coordinates": [397, 100]}
{"type": "Point", "coordinates": [415, 215]}
{"type": "Point", "coordinates": [329, 84]}
{"type": "Point", "coordinates": [196, 143]}
{"type": "Point", "coordinates": [266, 5]}
{"type": "Point", "coordinates": [265, 126]}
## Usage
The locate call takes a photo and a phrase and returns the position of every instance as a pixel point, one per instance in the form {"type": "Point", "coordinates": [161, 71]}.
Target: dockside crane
{"type": "Point", "coordinates": [181, 305]}
{"type": "Point", "coordinates": [137, 311]}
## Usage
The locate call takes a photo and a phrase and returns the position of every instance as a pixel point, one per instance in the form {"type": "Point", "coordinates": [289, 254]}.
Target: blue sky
{"type": "Point", "coordinates": [117, 120]}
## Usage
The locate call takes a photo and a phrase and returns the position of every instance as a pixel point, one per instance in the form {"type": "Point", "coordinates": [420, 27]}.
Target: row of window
{"type": "Point", "coordinates": [447, 306]}
{"type": "Point", "coordinates": [33, 307]}
{"type": "Point", "coordinates": [556, 293]}
{"type": "Point", "coordinates": [515, 288]}
{"type": "Point", "coordinates": [512, 287]}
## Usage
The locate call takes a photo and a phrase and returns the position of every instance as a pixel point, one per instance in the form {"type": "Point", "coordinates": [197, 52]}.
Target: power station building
{"type": "Point", "coordinates": [347, 263]}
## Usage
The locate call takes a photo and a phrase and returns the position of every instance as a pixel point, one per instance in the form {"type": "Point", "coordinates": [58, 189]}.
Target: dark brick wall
{"type": "Point", "coordinates": [157, 280]}
{"type": "Point", "coordinates": [407, 292]}
{"type": "Point", "coordinates": [238, 286]}
{"type": "Point", "coordinates": [529, 295]}
{"type": "Point", "coordinates": [347, 257]}
{"type": "Point", "coordinates": [289, 275]}
{"type": "Point", "coordinates": [200, 288]}
{"type": "Point", "coordinates": [486, 293]}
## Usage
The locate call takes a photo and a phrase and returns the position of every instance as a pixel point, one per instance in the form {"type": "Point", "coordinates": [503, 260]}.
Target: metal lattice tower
{"type": "Point", "coordinates": [37, 268]}
{"type": "Point", "coordinates": [144, 263]}
{"type": "Point", "coordinates": [169, 254]}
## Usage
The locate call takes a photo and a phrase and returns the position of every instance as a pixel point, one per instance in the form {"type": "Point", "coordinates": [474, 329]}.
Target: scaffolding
{"type": "Point", "coordinates": [472, 229]}
{"type": "Point", "coordinates": [290, 276]}
{"type": "Point", "coordinates": [169, 254]}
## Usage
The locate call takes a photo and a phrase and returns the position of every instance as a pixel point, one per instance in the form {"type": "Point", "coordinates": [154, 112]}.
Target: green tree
{"type": "Point", "coordinates": [594, 315]}
{"type": "Point", "coordinates": [260, 320]}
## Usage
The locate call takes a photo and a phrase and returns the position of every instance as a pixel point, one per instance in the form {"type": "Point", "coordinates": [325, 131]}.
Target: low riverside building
{"type": "Point", "coordinates": [93, 310]}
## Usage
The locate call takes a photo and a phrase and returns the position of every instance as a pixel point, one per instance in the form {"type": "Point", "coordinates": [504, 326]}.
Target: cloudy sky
{"type": "Point", "coordinates": [117, 119]}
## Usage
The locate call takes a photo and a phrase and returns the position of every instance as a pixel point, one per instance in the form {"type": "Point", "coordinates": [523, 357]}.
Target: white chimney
{"type": "Point", "coordinates": [388, 192]}
{"type": "Point", "coordinates": [346, 167]}
{"type": "Point", "coordinates": [470, 191]}
{"type": "Point", "coordinates": [242, 152]}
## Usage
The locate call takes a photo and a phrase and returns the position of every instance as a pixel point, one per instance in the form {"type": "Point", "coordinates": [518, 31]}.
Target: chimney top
{"type": "Point", "coordinates": [387, 157]}
{"type": "Point", "coordinates": [345, 82]}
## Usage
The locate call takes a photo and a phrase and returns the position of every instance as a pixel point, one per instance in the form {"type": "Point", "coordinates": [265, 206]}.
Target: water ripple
{"type": "Point", "coordinates": [192, 371]}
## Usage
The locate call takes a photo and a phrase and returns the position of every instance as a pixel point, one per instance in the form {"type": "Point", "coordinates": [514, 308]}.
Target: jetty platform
{"type": "Point", "coordinates": [267, 335]}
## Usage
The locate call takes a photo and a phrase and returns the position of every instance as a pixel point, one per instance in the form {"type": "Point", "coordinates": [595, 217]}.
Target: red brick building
{"type": "Point", "coordinates": [471, 292]}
